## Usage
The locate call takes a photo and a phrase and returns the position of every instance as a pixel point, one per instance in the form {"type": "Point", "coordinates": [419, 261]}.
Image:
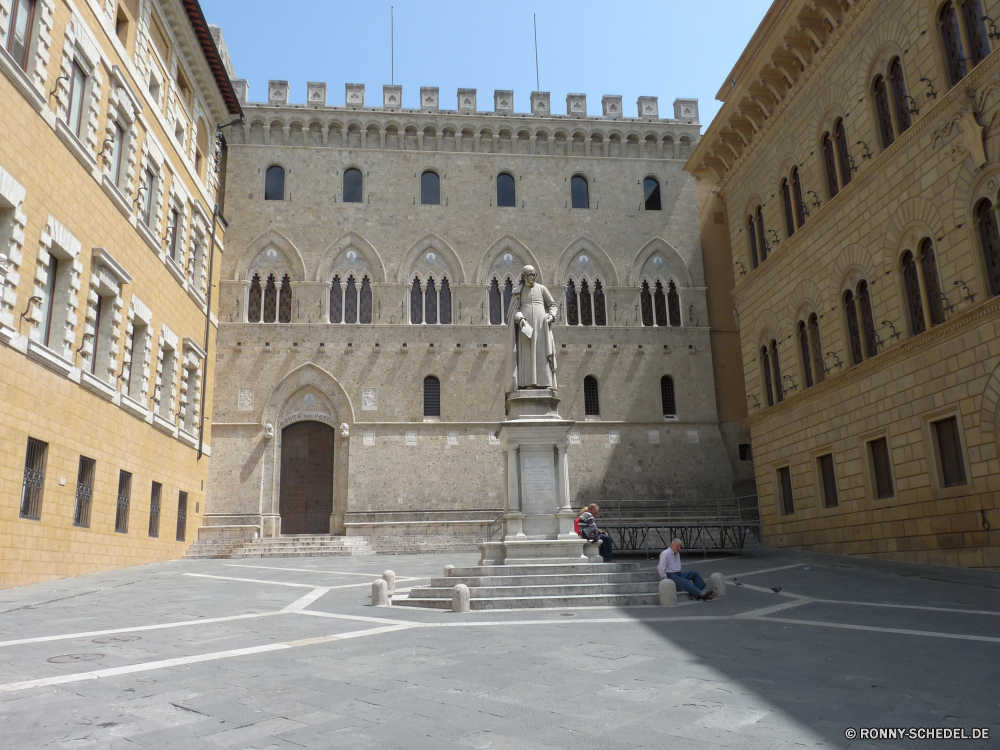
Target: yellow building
{"type": "Point", "coordinates": [856, 152]}
{"type": "Point", "coordinates": [110, 235]}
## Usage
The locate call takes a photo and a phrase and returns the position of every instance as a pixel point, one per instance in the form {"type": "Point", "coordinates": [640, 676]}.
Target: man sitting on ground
{"type": "Point", "coordinates": [670, 567]}
{"type": "Point", "coordinates": [587, 528]}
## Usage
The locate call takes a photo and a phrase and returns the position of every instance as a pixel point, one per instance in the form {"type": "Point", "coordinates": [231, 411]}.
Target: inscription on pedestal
{"type": "Point", "coordinates": [537, 482]}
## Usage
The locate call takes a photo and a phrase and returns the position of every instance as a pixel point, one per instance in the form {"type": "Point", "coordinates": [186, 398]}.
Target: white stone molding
{"type": "Point", "coordinates": [256, 247]}
{"type": "Point", "coordinates": [336, 259]}
{"type": "Point", "coordinates": [494, 261]}
{"type": "Point", "coordinates": [165, 388]}
{"type": "Point", "coordinates": [80, 47]}
{"type": "Point", "coordinates": [644, 263]}
{"type": "Point", "coordinates": [597, 257]}
{"type": "Point", "coordinates": [12, 224]}
{"type": "Point", "coordinates": [106, 280]}
{"type": "Point", "coordinates": [57, 241]}
{"type": "Point", "coordinates": [445, 261]}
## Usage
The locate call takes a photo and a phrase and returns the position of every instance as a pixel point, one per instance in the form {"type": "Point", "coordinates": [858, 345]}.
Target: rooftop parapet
{"type": "Point", "coordinates": [685, 110]}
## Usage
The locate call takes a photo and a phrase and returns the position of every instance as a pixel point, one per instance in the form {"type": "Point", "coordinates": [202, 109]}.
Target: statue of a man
{"type": "Point", "coordinates": [531, 350]}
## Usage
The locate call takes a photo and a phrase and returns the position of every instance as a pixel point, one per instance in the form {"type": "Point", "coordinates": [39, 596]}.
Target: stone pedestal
{"type": "Point", "coordinates": [538, 522]}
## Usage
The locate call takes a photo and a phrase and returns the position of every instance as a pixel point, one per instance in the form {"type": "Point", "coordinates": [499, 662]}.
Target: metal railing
{"type": "Point", "coordinates": [124, 499]}
{"type": "Point", "coordinates": [495, 527]}
{"type": "Point", "coordinates": [34, 479]}
{"type": "Point", "coordinates": [154, 509]}
{"type": "Point", "coordinates": [84, 492]}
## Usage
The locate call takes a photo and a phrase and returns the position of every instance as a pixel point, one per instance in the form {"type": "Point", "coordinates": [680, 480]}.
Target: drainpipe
{"type": "Point", "coordinates": [216, 215]}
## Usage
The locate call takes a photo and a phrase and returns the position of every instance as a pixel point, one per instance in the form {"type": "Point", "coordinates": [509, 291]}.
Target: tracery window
{"type": "Point", "coordinates": [667, 398]}
{"type": "Point", "coordinates": [646, 303]}
{"type": "Point", "coordinates": [285, 301]}
{"type": "Point", "coordinates": [572, 306]}
{"type": "Point", "coordinates": [586, 306]}
{"type": "Point", "coordinates": [579, 192]}
{"type": "Point", "coordinates": [349, 301]}
{"type": "Point", "coordinates": [836, 158]}
{"type": "Point", "coordinates": [989, 241]}
{"type": "Point", "coordinates": [336, 301]}
{"type": "Point", "coordinates": [253, 301]}
{"type": "Point", "coordinates": [662, 306]}
{"type": "Point", "coordinates": [673, 304]}
{"type": "Point", "coordinates": [600, 306]}
{"type": "Point", "coordinates": [961, 22]}
{"type": "Point", "coordinates": [270, 300]}
{"type": "Point", "coordinates": [498, 312]}
{"type": "Point", "coordinates": [591, 398]}
{"type": "Point", "coordinates": [274, 184]}
{"type": "Point", "coordinates": [430, 304]}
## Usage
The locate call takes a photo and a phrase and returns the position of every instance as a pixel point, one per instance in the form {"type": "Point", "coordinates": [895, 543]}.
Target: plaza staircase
{"type": "Point", "coordinates": [533, 586]}
{"type": "Point", "coordinates": [328, 545]}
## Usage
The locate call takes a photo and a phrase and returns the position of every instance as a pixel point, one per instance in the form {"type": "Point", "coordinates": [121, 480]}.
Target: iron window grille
{"type": "Point", "coordinates": [432, 396]}
{"type": "Point", "coordinates": [124, 498]}
{"type": "Point", "coordinates": [667, 396]}
{"type": "Point", "coordinates": [154, 509]}
{"type": "Point", "coordinates": [182, 504]}
{"type": "Point", "coordinates": [84, 492]}
{"type": "Point", "coordinates": [34, 479]}
{"type": "Point", "coordinates": [591, 399]}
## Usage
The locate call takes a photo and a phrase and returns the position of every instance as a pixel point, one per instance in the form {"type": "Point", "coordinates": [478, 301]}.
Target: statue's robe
{"type": "Point", "coordinates": [531, 363]}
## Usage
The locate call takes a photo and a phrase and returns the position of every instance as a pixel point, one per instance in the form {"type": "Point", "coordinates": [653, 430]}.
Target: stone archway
{"type": "Point", "coordinates": [305, 501]}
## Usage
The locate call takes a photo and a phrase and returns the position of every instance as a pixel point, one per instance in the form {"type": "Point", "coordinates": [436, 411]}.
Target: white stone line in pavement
{"type": "Point", "coordinates": [911, 606]}
{"type": "Point", "coordinates": [765, 570]}
{"type": "Point", "coordinates": [301, 570]}
{"type": "Point", "coordinates": [254, 580]}
{"type": "Point", "coordinates": [96, 674]}
{"type": "Point", "coordinates": [797, 602]}
{"type": "Point", "coordinates": [304, 601]}
{"type": "Point", "coordinates": [875, 629]}
{"type": "Point", "coordinates": [95, 633]}
{"type": "Point", "coordinates": [359, 618]}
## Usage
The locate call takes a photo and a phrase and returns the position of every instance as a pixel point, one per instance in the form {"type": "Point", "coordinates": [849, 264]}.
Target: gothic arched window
{"type": "Point", "coordinates": [351, 301]}
{"type": "Point", "coordinates": [285, 301]}
{"type": "Point", "coordinates": [579, 192]}
{"type": "Point", "coordinates": [586, 305]}
{"type": "Point", "coordinates": [353, 186]}
{"type": "Point", "coordinates": [506, 194]}
{"type": "Point", "coordinates": [496, 311]}
{"type": "Point", "coordinates": [975, 29]}
{"type": "Point", "coordinates": [752, 239]}
{"type": "Point", "coordinates": [660, 304]}
{"type": "Point", "coordinates": [951, 37]}
{"type": "Point", "coordinates": [932, 283]}
{"type": "Point", "coordinates": [274, 184]}
{"type": "Point", "coordinates": [651, 194]}
{"type": "Point", "coordinates": [253, 300]}
{"type": "Point", "coordinates": [761, 237]}
{"type": "Point", "coordinates": [779, 391]}
{"type": "Point", "coordinates": [445, 305]}
{"type": "Point", "coordinates": [804, 350]}
{"type": "Point", "coordinates": [430, 302]}
{"type": "Point", "coordinates": [853, 329]}
{"type": "Point", "coordinates": [270, 300]}
{"type": "Point", "coordinates": [572, 310]}
{"type": "Point", "coordinates": [416, 302]}
{"type": "Point", "coordinates": [508, 294]}
{"type": "Point", "coordinates": [989, 243]}
{"type": "Point", "coordinates": [800, 205]}
{"type": "Point", "coordinates": [911, 285]}
{"type": "Point", "coordinates": [765, 366]}
{"type": "Point", "coordinates": [646, 303]}
{"type": "Point", "coordinates": [432, 396]}
{"type": "Point", "coordinates": [816, 345]}
{"type": "Point", "coordinates": [336, 301]}
{"type": "Point", "coordinates": [882, 113]}
{"type": "Point", "coordinates": [843, 152]}
{"type": "Point", "coordinates": [591, 400]}
{"type": "Point", "coordinates": [600, 307]}
{"type": "Point", "coordinates": [667, 396]}
{"type": "Point", "coordinates": [430, 188]}
{"type": "Point", "coordinates": [899, 96]}
{"type": "Point", "coordinates": [868, 318]}
{"type": "Point", "coordinates": [830, 164]}
{"type": "Point", "coordinates": [786, 200]}
{"type": "Point", "coordinates": [673, 304]}
{"type": "Point", "coordinates": [365, 302]}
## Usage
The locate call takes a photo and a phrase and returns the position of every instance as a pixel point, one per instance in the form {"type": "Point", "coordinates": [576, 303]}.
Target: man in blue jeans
{"type": "Point", "coordinates": [670, 567]}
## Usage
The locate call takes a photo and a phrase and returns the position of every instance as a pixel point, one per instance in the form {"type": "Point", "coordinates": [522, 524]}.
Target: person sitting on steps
{"type": "Point", "coordinates": [587, 528]}
{"type": "Point", "coordinates": [670, 567]}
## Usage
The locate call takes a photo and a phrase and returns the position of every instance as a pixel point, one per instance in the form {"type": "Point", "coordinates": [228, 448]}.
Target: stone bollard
{"type": "Point", "coordinates": [448, 568]}
{"type": "Point", "coordinates": [460, 598]}
{"type": "Point", "coordinates": [668, 593]}
{"type": "Point", "coordinates": [380, 594]}
{"type": "Point", "coordinates": [390, 581]}
{"type": "Point", "coordinates": [717, 585]}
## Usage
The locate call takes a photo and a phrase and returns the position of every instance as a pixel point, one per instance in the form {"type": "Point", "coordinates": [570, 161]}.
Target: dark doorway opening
{"type": "Point", "coordinates": [306, 499]}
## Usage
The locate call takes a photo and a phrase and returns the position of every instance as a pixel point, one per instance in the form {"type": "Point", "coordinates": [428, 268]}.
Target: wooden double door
{"type": "Point", "coordinates": [306, 498]}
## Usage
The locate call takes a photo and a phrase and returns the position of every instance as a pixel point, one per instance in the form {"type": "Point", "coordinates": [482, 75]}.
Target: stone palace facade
{"type": "Point", "coordinates": [371, 253]}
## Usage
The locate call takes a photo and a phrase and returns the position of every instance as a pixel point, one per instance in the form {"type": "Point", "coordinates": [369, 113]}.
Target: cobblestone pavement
{"type": "Point", "coordinates": [286, 653]}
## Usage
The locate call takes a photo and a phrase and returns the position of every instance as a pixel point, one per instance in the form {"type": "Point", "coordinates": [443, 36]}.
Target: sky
{"type": "Point", "coordinates": [662, 48]}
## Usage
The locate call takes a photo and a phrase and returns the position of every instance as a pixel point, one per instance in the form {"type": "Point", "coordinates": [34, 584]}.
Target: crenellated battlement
{"type": "Point", "coordinates": [612, 107]}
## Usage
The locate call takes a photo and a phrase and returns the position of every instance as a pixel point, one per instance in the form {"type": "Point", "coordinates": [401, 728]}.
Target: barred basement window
{"type": "Point", "coordinates": [432, 396]}
{"type": "Point", "coordinates": [591, 400]}
{"type": "Point", "coordinates": [829, 480]}
{"type": "Point", "coordinates": [182, 504]}
{"type": "Point", "coordinates": [878, 454]}
{"type": "Point", "coordinates": [274, 184]}
{"type": "Point", "coordinates": [34, 479]}
{"type": "Point", "coordinates": [667, 399]}
{"type": "Point", "coordinates": [787, 502]}
{"type": "Point", "coordinates": [989, 243]}
{"type": "Point", "coordinates": [84, 491]}
{"type": "Point", "coordinates": [154, 509]}
{"type": "Point", "coordinates": [124, 498]}
{"type": "Point", "coordinates": [949, 452]}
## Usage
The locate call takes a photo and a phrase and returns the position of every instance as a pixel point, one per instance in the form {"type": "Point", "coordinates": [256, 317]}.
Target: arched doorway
{"type": "Point", "coordinates": [306, 499]}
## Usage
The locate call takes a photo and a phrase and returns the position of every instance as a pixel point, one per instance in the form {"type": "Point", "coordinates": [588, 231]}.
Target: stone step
{"type": "Point", "coordinates": [541, 569]}
{"type": "Point", "coordinates": [520, 592]}
{"type": "Point", "coordinates": [547, 580]}
{"type": "Point", "coordinates": [536, 602]}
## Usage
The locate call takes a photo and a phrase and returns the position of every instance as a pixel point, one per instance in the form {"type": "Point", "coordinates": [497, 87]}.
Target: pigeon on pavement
{"type": "Point", "coordinates": [736, 582]}
{"type": "Point", "coordinates": [776, 589]}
